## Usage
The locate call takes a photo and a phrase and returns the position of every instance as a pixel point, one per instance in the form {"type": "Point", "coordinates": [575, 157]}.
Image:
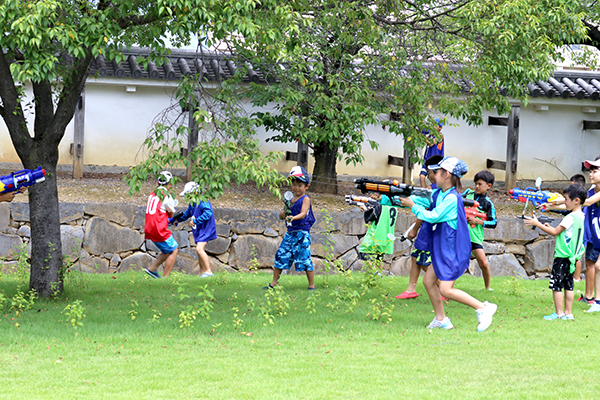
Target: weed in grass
{"type": "Point", "coordinates": [206, 303]}
{"type": "Point", "coordinates": [372, 274]}
{"type": "Point", "coordinates": [276, 303]}
{"type": "Point", "coordinates": [3, 299]}
{"type": "Point", "coordinates": [311, 302]}
{"type": "Point", "coordinates": [344, 299]}
{"type": "Point", "coordinates": [235, 319]}
{"type": "Point", "coordinates": [187, 317]}
{"type": "Point", "coordinates": [155, 317]}
{"type": "Point", "coordinates": [513, 287]}
{"type": "Point", "coordinates": [381, 310]}
{"type": "Point", "coordinates": [132, 313]}
{"type": "Point", "coordinates": [330, 263]}
{"type": "Point", "coordinates": [22, 302]}
{"type": "Point", "coordinates": [75, 313]}
{"type": "Point", "coordinates": [23, 267]}
{"type": "Point", "coordinates": [253, 264]}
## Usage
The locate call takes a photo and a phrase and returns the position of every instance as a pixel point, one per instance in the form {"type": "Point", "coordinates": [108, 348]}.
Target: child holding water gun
{"type": "Point", "coordinates": [450, 244]}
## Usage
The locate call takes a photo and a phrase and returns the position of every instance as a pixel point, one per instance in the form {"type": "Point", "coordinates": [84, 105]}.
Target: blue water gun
{"type": "Point", "coordinates": [21, 179]}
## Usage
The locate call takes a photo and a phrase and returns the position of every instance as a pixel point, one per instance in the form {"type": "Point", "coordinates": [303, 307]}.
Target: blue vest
{"type": "Point", "coordinates": [305, 223]}
{"type": "Point", "coordinates": [450, 248]}
{"type": "Point", "coordinates": [591, 230]}
{"type": "Point", "coordinates": [424, 236]}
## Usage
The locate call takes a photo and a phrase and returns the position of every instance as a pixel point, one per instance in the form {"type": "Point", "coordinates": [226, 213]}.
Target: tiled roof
{"type": "Point", "coordinates": [216, 67]}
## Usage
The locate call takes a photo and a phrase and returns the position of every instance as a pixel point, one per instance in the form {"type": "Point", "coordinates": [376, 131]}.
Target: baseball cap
{"type": "Point", "coordinates": [440, 124]}
{"type": "Point", "coordinates": [188, 188]}
{"type": "Point", "coordinates": [300, 173]}
{"type": "Point", "coordinates": [451, 164]}
{"type": "Point", "coordinates": [165, 177]}
{"type": "Point", "coordinates": [589, 163]}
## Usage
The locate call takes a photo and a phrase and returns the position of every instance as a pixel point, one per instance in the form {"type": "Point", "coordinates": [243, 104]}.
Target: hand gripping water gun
{"type": "Point", "coordinates": [21, 179]}
{"type": "Point", "coordinates": [287, 201]}
{"type": "Point", "coordinates": [471, 210]}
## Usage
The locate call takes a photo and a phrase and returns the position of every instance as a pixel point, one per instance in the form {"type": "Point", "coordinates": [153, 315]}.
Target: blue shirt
{"type": "Point", "coordinates": [203, 217]}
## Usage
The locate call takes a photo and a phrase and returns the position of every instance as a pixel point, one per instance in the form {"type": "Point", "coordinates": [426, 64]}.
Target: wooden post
{"type": "Point", "coordinates": [512, 148]}
{"type": "Point", "coordinates": [407, 167]}
{"type": "Point", "coordinates": [79, 128]}
{"type": "Point", "coordinates": [302, 155]}
{"type": "Point", "coordinates": [192, 140]}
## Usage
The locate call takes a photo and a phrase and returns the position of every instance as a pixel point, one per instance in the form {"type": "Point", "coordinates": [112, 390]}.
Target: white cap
{"type": "Point", "coordinates": [189, 187]}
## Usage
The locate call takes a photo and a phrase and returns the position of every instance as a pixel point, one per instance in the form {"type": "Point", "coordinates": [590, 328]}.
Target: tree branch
{"type": "Point", "coordinates": [11, 110]}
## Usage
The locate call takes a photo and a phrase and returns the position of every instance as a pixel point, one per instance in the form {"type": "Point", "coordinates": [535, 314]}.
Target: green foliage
{"type": "Point", "coordinates": [75, 313]}
{"type": "Point", "coordinates": [276, 303]}
{"type": "Point", "coordinates": [22, 302]}
{"type": "Point", "coordinates": [381, 310]}
{"type": "Point", "coordinates": [345, 298]}
{"type": "Point", "coordinates": [513, 286]}
{"type": "Point", "coordinates": [330, 263]}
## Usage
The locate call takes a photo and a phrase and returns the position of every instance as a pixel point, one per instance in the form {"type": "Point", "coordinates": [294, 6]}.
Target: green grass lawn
{"type": "Point", "coordinates": [326, 345]}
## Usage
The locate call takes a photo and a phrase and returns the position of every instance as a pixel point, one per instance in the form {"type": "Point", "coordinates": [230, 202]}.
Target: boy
{"type": "Point", "coordinates": [568, 249]}
{"type": "Point", "coordinates": [435, 147]}
{"type": "Point", "coordinates": [158, 213]}
{"type": "Point", "coordinates": [483, 182]}
{"type": "Point", "coordinates": [592, 250]}
{"type": "Point", "coordinates": [421, 257]}
{"type": "Point", "coordinates": [203, 227]}
{"type": "Point", "coordinates": [376, 242]}
{"type": "Point", "coordinates": [295, 246]}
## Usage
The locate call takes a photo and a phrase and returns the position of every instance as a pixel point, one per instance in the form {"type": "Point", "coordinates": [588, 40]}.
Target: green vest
{"type": "Point", "coordinates": [378, 240]}
{"type": "Point", "coordinates": [475, 231]}
{"type": "Point", "coordinates": [574, 249]}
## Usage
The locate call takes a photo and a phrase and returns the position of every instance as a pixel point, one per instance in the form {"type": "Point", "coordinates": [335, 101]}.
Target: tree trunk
{"type": "Point", "coordinates": [324, 179]}
{"type": "Point", "coordinates": [46, 246]}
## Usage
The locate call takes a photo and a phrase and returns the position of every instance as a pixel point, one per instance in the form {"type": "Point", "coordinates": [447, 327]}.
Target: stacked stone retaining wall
{"type": "Point", "coordinates": [109, 238]}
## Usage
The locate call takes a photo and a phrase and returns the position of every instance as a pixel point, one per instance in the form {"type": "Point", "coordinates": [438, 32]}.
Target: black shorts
{"type": "Point", "coordinates": [561, 277]}
{"type": "Point", "coordinates": [591, 253]}
{"type": "Point", "coordinates": [475, 246]}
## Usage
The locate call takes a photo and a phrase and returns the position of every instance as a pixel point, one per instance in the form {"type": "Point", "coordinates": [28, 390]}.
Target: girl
{"type": "Point", "coordinates": [450, 243]}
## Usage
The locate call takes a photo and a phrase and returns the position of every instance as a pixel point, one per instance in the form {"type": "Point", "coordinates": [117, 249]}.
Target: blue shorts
{"type": "Point", "coordinates": [168, 246]}
{"type": "Point", "coordinates": [294, 248]}
{"type": "Point", "coordinates": [591, 253]}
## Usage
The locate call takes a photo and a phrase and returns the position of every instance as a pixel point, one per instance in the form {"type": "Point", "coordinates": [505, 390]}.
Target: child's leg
{"type": "Point", "coordinates": [429, 281]}
{"type": "Point", "coordinates": [590, 278]}
{"type": "Point", "coordinates": [569, 295]}
{"type": "Point", "coordinates": [203, 259]}
{"type": "Point", "coordinates": [311, 279]}
{"type": "Point", "coordinates": [557, 296]}
{"type": "Point", "coordinates": [483, 265]}
{"type": "Point", "coordinates": [159, 260]}
{"type": "Point", "coordinates": [276, 275]}
{"type": "Point", "coordinates": [447, 290]}
{"type": "Point", "coordinates": [170, 262]}
{"type": "Point", "coordinates": [577, 274]}
{"type": "Point", "coordinates": [415, 271]}
{"type": "Point", "coordinates": [596, 269]}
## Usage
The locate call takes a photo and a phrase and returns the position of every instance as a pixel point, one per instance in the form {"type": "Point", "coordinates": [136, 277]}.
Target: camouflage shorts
{"type": "Point", "coordinates": [294, 248]}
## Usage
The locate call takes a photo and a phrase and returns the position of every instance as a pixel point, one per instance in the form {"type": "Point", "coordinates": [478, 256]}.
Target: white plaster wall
{"type": "Point", "coordinates": [117, 123]}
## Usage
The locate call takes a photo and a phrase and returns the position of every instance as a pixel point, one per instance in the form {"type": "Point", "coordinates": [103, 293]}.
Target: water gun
{"type": "Point", "coordinates": [543, 219]}
{"type": "Point", "coordinates": [21, 179]}
{"type": "Point", "coordinates": [536, 196]}
{"type": "Point", "coordinates": [391, 188]}
{"type": "Point", "coordinates": [287, 202]}
{"type": "Point", "coordinates": [355, 200]}
{"type": "Point", "coordinates": [471, 211]}
{"type": "Point", "coordinates": [175, 219]}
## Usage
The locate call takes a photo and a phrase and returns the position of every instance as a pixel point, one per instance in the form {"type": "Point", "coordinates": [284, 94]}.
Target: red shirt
{"type": "Point", "coordinates": [157, 219]}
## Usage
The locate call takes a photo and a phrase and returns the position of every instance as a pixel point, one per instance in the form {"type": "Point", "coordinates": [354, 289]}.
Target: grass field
{"type": "Point", "coordinates": [349, 339]}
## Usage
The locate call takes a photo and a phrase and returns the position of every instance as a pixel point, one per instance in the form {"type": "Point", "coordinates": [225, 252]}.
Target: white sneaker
{"type": "Point", "coordinates": [594, 308]}
{"type": "Point", "coordinates": [485, 315]}
{"type": "Point", "coordinates": [444, 324]}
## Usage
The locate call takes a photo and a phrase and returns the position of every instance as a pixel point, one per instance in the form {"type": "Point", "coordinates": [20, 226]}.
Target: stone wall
{"type": "Point", "coordinates": [109, 238]}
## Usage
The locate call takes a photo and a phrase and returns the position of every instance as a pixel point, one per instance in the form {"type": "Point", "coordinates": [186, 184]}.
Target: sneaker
{"type": "Point", "coordinates": [444, 324]}
{"type": "Point", "coordinates": [268, 287]}
{"type": "Point", "coordinates": [594, 307]}
{"type": "Point", "coordinates": [206, 275]}
{"type": "Point", "coordinates": [569, 317]}
{"type": "Point", "coordinates": [407, 295]}
{"type": "Point", "coordinates": [554, 316]}
{"type": "Point", "coordinates": [586, 300]}
{"type": "Point", "coordinates": [152, 273]}
{"type": "Point", "coordinates": [485, 315]}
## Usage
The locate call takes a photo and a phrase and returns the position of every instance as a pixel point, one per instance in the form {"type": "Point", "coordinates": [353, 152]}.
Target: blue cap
{"type": "Point", "coordinates": [299, 172]}
{"type": "Point", "coordinates": [451, 164]}
{"type": "Point", "coordinates": [440, 124]}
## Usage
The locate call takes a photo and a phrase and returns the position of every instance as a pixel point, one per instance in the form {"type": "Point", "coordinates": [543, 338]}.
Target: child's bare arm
{"type": "Point", "coordinates": [303, 211]}
{"type": "Point", "coordinates": [593, 199]}
{"type": "Point", "coordinates": [533, 221]}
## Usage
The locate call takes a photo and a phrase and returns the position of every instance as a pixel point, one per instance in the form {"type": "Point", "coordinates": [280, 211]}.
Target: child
{"type": "Point", "coordinates": [376, 242]}
{"type": "Point", "coordinates": [435, 147]}
{"type": "Point", "coordinates": [295, 246]}
{"type": "Point", "coordinates": [483, 182]}
{"type": "Point", "coordinates": [450, 244]}
{"type": "Point", "coordinates": [421, 257]}
{"type": "Point", "coordinates": [158, 213]}
{"type": "Point", "coordinates": [568, 249]}
{"type": "Point", "coordinates": [591, 236]}
{"type": "Point", "coordinates": [580, 179]}
{"type": "Point", "coordinates": [203, 227]}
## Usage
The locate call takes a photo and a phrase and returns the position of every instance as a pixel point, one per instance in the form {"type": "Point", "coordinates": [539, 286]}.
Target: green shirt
{"type": "Point", "coordinates": [569, 243]}
{"type": "Point", "coordinates": [379, 238]}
